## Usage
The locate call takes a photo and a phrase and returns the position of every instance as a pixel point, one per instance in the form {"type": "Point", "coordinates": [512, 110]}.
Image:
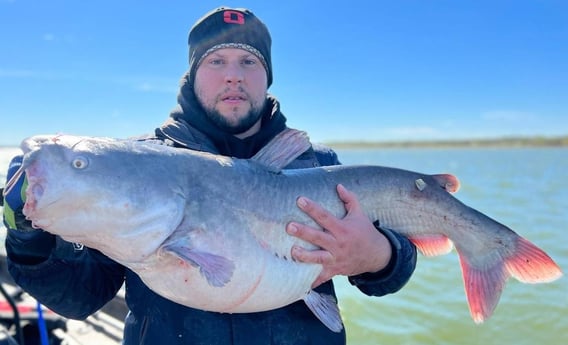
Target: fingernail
{"type": "Point", "coordinates": [302, 202]}
{"type": "Point", "coordinates": [292, 229]}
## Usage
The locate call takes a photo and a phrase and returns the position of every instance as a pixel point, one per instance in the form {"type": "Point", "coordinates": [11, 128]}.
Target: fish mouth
{"type": "Point", "coordinates": [36, 186]}
{"type": "Point", "coordinates": [28, 146]}
{"type": "Point", "coordinates": [36, 208]}
{"type": "Point", "coordinates": [34, 189]}
{"type": "Point", "coordinates": [38, 198]}
{"type": "Point", "coordinates": [34, 192]}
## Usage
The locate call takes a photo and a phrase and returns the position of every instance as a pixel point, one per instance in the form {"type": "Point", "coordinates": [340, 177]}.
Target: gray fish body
{"type": "Point", "coordinates": [208, 231]}
{"type": "Point", "coordinates": [133, 198]}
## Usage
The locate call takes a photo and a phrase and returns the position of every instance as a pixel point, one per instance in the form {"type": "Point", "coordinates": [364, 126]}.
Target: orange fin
{"type": "Point", "coordinates": [447, 181]}
{"type": "Point", "coordinates": [432, 245]}
{"type": "Point", "coordinates": [530, 264]}
{"type": "Point", "coordinates": [483, 288]}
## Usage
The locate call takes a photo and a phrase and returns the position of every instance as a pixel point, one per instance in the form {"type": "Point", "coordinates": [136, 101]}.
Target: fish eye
{"type": "Point", "coordinates": [80, 163]}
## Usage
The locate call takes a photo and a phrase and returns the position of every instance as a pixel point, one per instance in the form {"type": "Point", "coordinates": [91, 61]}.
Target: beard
{"type": "Point", "coordinates": [241, 126]}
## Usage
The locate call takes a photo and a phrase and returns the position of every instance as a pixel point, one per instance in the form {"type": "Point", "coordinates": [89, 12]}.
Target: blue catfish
{"type": "Point", "coordinates": [208, 231]}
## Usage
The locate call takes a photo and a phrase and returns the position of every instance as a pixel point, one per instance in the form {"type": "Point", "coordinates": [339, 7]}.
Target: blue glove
{"type": "Point", "coordinates": [14, 200]}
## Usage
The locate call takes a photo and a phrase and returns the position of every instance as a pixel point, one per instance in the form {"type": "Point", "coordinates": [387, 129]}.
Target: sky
{"type": "Point", "coordinates": [360, 70]}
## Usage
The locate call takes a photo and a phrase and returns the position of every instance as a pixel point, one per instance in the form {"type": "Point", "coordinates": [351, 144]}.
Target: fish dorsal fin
{"type": "Point", "coordinates": [447, 181]}
{"type": "Point", "coordinates": [282, 149]}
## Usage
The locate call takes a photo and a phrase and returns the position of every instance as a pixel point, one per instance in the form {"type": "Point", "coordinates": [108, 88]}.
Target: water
{"type": "Point", "coordinates": [527, 189]}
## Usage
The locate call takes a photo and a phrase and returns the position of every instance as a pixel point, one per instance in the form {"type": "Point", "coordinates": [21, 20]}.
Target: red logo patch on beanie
{"type": "Point", "coordinates": [233, 17]}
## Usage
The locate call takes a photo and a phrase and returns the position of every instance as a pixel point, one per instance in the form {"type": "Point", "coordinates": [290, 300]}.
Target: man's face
{"type": "Point", "coordinates": [231, 85]}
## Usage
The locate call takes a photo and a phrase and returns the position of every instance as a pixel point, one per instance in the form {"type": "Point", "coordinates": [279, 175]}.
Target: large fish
{"type": "Point", "coordinates": [208, 231]}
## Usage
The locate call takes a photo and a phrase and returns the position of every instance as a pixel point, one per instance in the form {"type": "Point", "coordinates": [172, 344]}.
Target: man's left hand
{"type": "Point", "coordinates": [348, 246]}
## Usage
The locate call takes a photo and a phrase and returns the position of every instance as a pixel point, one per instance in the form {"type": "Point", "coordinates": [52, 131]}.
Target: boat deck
{"type": "Point", "coordinates": [105, 327]}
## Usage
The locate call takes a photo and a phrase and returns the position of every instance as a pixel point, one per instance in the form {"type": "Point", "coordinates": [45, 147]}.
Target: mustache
{"type": "Point", "coordinates": [229, 90]}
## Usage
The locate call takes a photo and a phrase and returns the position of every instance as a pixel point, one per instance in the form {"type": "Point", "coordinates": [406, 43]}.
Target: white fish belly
{"type": "Point", "coordinates": [264, 283]}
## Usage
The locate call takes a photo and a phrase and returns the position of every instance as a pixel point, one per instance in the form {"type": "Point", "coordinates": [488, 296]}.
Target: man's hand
{"type": "Point", "coordinates": [348, 246]}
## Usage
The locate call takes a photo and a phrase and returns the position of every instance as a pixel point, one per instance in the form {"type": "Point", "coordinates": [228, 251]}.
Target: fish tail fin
{"type": "Point", "coordinates": [483, 285]}
{"type": "Point", "coordinates": [325, 309]}
{"type": "Point", "coordinates": [531, 265]}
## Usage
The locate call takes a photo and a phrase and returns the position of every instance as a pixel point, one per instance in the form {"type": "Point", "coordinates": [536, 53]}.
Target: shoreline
{"type": "Point", "coordinates": [508, 142]}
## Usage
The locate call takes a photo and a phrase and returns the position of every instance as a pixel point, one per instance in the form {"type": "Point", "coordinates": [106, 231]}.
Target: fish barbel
{"type": "Point", "coordinates": [208, 231]}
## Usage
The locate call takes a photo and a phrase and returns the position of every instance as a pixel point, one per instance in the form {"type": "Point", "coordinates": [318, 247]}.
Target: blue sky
{"type": "Point", "coordinates": [369, 70]}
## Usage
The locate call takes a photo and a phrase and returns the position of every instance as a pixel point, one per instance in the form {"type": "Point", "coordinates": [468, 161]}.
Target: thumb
{"type": "Point", "coordinates": [349, 198]}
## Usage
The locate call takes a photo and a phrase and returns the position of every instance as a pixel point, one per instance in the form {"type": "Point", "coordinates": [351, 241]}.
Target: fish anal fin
{"type": "Point", "coordinates": [282, 149]}
{"type": "Point", "coordinates": [483, 288]}
{"type": "Point", "coordinates": [432, 245]}
{"type": "Point", "coordinates": [216, 269]}
{"type": "Point", "coordinates": [447, 181]}
{"type": "Point", "coordinates": [325, 308]}
{"type": "Point", "coordinates": [529, 264]}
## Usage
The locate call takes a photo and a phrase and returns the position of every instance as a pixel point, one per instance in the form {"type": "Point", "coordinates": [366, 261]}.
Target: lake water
{"type": "Point", "coordinates": [526, 189]}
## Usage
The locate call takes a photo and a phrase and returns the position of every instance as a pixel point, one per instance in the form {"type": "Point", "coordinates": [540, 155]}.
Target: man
{"type": "Point", "coordinates": [224, 108]}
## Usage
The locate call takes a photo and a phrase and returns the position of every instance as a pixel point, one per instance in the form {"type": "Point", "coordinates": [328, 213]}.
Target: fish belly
{"type": "Point", "coordinates": [263, 282]}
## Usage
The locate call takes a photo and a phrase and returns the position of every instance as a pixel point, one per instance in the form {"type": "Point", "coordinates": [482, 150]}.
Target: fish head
{"type": "Point", "coordinates": [83, 188]}
{"type": "Point", "coordinates": [52, 164]}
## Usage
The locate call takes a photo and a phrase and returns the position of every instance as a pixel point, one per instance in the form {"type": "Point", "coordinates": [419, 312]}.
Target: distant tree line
{"type": "Point", "coordinates": [490, 142]}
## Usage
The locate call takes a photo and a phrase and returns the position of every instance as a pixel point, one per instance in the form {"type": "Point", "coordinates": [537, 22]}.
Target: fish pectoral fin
{"type": "Point", "coordinates": [217, 270]}
{"type": "Point", "coordinates": [432, 245]}
{"type": "Point", "coordinates": [325, 309]}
